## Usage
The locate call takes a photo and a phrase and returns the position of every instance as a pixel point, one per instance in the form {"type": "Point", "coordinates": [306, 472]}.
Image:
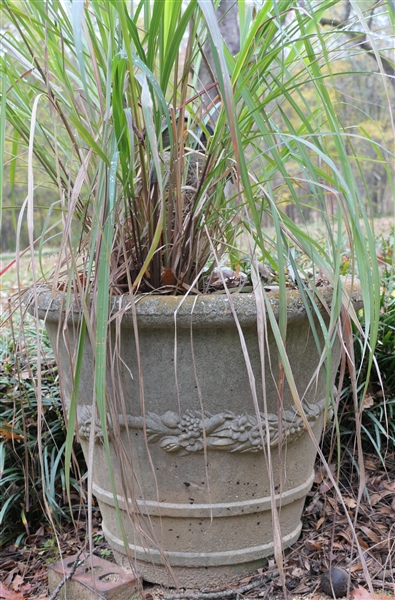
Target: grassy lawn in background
{"type": "Point", "coordinates": [9, 279]}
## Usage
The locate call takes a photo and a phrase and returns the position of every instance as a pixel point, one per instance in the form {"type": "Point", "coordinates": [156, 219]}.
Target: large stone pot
{"type": "Point", "coordinates": [212, 521]}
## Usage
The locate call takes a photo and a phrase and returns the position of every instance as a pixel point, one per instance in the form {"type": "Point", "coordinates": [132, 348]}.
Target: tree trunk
{"type": "Point", "coordinates": [228, 24]}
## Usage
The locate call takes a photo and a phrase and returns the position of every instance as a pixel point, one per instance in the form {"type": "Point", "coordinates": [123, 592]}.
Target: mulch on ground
{"type": "Point", "coordinates": [327, 540]}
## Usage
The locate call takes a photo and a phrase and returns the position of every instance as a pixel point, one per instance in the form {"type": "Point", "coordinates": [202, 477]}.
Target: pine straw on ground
{"type": "Point", "coordinates": [326, 541]}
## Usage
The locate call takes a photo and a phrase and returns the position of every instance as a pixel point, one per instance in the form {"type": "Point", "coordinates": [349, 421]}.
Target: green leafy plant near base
{"type": "Point", "coordinates": [26, 491]}
{"type": "Point", "coordinates": [377, 406]}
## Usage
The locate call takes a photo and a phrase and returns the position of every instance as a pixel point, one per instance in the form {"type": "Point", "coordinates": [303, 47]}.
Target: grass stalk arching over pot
{"type": "Point", "coordinates": [152, 195]}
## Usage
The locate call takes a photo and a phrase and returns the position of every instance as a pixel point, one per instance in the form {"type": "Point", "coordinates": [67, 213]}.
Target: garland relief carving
{"type": "Point", "coordinates": [227, 431]}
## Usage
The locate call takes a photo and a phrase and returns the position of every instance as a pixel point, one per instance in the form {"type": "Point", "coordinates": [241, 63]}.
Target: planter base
{"type": "Point", "coordinates": [197, 577]}
{"type": "Point", "coordinates": [238, 528]}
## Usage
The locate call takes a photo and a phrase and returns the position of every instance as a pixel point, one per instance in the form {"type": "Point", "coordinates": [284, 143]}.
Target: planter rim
{"type": "Point", "coordinates": [154, 310]}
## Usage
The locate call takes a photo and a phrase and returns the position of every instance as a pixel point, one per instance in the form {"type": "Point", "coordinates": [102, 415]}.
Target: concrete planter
{"type": "Point", "coordinates": [213, 522]}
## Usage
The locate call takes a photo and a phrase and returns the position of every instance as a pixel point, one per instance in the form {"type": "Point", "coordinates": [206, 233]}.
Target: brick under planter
{"type": "Point", "coordinates": [95, 578]}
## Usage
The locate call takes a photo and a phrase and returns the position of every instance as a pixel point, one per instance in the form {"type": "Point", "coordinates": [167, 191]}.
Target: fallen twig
{"type": "Point", "coordinates": [73, 569]}
{"type": "Point", "coordinates": [216, 595]}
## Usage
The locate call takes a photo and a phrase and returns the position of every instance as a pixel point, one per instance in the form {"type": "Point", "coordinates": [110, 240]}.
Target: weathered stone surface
{"type": "Point", "coordinates": [192, 481]}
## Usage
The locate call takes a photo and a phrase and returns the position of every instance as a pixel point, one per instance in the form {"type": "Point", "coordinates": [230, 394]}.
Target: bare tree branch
{"type": "Point", "coordinates": [217, 595]}
{"type": "Point", "coordinates": [388, 66]}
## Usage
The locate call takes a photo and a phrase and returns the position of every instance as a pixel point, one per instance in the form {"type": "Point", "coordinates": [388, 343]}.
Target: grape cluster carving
{"type": "Point", "coordinates": [193, 431]}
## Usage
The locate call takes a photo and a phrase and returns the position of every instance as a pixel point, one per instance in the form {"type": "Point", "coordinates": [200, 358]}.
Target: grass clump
{"type": "Point", "coordinates": [376, 399]}
{"type": "Point", "coordinates": [27, 484]}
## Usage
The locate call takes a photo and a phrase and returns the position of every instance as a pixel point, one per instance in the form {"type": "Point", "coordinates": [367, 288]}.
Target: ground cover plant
{"type": "Point", "coordinates": [30, 487]}
{"type": "Point", "coordinates": [376, 389]}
